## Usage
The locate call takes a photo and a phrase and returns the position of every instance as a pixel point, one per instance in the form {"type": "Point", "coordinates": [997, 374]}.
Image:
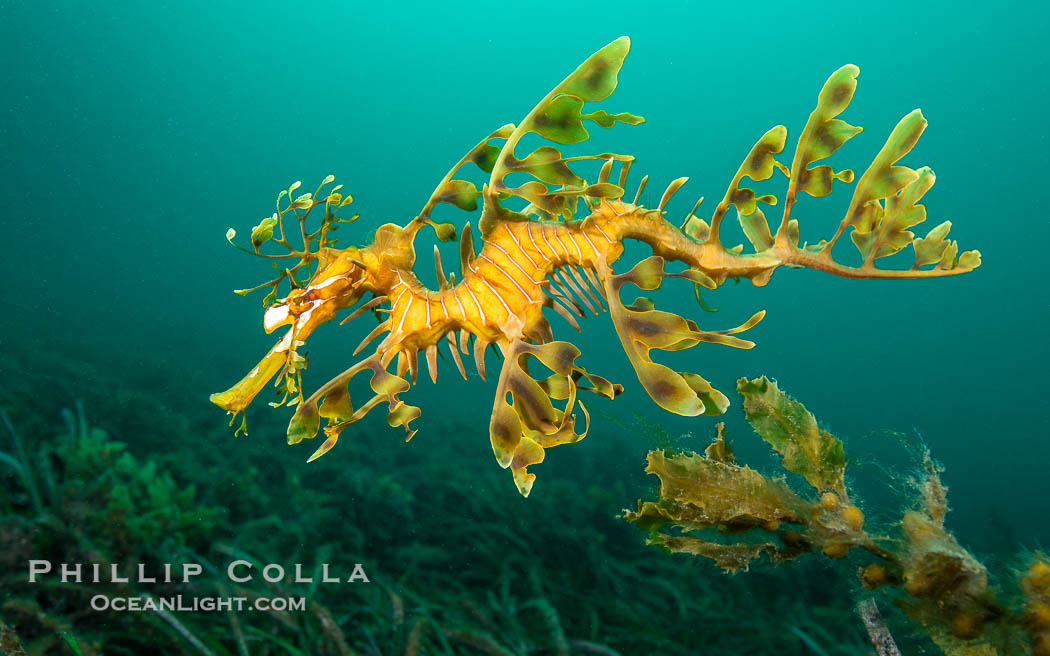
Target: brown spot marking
{"type": "Point", "coordinates": [597, 73]}
{"type": "Point", "coordinates": [827, 138]}
{"type": "Point", "coordinates": [664, 389]}
{"type": "Point", "coordinates": [840, 93]}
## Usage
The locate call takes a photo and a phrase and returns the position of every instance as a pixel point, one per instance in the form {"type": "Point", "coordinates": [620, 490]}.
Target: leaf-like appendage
{"type": "Point", "coordinates": [561, 121]}
{"type": "Point", "coordinates": [642, 330]}
{"type": "Point", "coordinates": [595, 78]}
{"type": "Point", "coordinates": [935, 248]}
{"type": "Point", "coordinates": [485, 156]}
{"type": "Point", "coordinates": [789, 428]}
{"type": "Point", "coordinates": [930, 248]}
{"type": "Point", "coordinates": [883, 178]}
{"type": "Point", "coordinates": [756, 229]}
{"type": "Point", "coordinates": [461, 193]}
{"type": "Point", "coordinates": [264, 231]}
{"type": "Point", "coordinates": [547, 165]}
{"type": "Point", "coordinates": [521, 429]}
{"type": "Point", "coordinates": [271, 230]}
{"type": "Point", "coordinates": [758, 165]}
{"type": "Point", "coordinates": [884, 231]}
{"type": "Point", "coordinates": [337, 408]}
{"type": "Point", "coordinates": [823, 135]}
{"type": "Point", "coordinates": [883, 207]}
{"type": "Point", "coordinates": [485, 153]}
{"type": "Point", "coordinates": [557, 386]}
{"type": "Point", "coordinates": [606, 120]}
{"type": "Point", "coordinates": [880, 229]}
{"type": "Point", "coordinates": [559, 118]}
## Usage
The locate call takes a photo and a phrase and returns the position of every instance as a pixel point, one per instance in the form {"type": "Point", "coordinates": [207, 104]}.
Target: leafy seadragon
{"type": "Point", "coordinates": [557, 252]}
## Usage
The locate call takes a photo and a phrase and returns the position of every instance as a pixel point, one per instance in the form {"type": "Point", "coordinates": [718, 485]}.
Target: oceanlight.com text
{"type": "Point", "coordinates": [179, 603]}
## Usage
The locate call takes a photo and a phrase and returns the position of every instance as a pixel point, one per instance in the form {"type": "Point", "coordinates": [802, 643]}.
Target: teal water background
{"type": "Point", "coordinates": [134, 134]}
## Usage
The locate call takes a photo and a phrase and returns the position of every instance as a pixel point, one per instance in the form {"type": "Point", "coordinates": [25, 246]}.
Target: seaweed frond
{"type": "Point", "coordinates": [922, 569]}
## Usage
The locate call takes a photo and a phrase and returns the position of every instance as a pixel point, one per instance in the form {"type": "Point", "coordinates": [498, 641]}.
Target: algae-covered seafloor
{"type": "Point", "coordinates": [135, 135]}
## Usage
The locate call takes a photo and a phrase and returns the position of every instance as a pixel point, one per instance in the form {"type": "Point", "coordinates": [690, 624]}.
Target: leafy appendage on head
{"type": "Point", "coordinates": [311, 253]}
{"type": "Point", "coordinates": [297, 266]}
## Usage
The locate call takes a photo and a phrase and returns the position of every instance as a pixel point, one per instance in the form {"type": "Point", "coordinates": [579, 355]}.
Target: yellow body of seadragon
{"type": "Point", "coordinates": [552, 254]}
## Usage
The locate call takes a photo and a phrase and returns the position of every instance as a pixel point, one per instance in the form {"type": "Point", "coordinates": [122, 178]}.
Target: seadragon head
{"type": "Point", "coordinates": [317, 279]}
{"type": "Point", "coordinates": [342, 277]}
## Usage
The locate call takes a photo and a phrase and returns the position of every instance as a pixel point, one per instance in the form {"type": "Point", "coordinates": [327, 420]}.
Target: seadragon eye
{"type": "Point", "coordinates": [299, 301]}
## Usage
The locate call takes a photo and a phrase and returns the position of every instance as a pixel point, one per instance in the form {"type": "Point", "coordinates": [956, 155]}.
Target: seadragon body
{"type": "Point", "coordinates": [553, 255]}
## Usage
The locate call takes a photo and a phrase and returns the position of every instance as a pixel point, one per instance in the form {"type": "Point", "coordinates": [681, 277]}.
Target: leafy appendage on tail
{"type": "Point", "coordinates": [884, 205]}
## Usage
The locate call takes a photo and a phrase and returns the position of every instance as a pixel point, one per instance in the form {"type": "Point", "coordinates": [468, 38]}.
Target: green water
{"type": "Point", "coordinates": [134, 134]}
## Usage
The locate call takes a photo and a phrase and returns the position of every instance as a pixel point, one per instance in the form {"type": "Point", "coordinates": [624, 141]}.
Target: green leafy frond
{"type": "Point", "coordinates": [884, 205]}
{"type": "Point", "coordinates": [704, 498]}
{"type": "Point", "coordinates": [308, 256]}
{"type": "Point", "coordinates": [559, 117]}
{"type": "Point", "coordinates": [884, 230]}
{"type": "Point", "coordinates": [758, 165]}
{"type": "Point", "coordinates": [788, 427]}
{"type": "Point", "coordinates": [823, 135]}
